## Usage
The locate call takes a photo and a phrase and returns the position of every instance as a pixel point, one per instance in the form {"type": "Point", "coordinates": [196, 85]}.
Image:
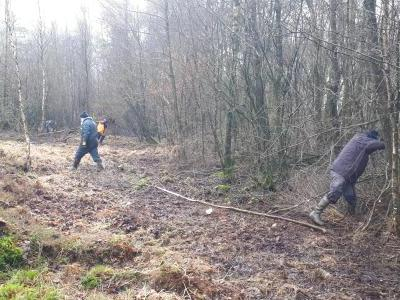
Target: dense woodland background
{"type": "Point", "coordinates": [266, 83]}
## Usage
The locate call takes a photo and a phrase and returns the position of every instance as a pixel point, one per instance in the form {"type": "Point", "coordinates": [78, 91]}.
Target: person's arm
{"type": "Point", "coordinates": [374, 145]}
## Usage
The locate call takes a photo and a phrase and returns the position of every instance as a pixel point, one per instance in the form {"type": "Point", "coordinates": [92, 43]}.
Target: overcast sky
{"type": "Point", "coordinates": [64, 12]}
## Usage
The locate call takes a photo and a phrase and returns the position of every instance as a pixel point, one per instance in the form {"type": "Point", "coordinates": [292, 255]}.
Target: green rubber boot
{"type": "Point", "coordinates": [315, 215]}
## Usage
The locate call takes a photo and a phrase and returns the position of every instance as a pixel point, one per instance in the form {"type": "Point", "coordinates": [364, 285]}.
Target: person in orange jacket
{"type": "Point", "coordinates": [101, 130]}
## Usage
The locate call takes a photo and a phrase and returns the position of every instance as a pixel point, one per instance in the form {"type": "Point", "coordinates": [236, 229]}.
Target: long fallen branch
{"type": "Point", "coordinates": [50, 132]}
{"type": "Point", "coordinates": [244, 210]}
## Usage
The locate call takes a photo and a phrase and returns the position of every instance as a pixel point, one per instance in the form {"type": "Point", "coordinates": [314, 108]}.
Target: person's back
{"type": "Point", "coordinates": [89, 131]}
{"type": "Point", "coordinates": [353, 159]}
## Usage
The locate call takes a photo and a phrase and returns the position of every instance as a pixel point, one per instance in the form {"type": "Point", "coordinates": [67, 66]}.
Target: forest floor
{"type": "Point", "coordinates": [112, 235]}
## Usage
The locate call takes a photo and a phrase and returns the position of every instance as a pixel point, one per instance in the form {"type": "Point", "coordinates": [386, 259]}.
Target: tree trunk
{"type": "Point", "coordinates": [348, 90]}
{"type": "Point", "coordinates": [228, 162]}
{"type": "Point", "coordinates": [395, 149]}
{"type": "Point", "coordinates": [377, 72]}
{"type": "Point", "coordinates": [5, 70]}
{"type": "Point", "coordinates": [13, 47]}
{"type": "Point", "coordinates": [334, 73]}
{"type": "Point", "coordinates": [260, 111]}
{"type": "Point", "coordinates": [43, 68]}
{"type": "Point", "coordinates": [178, 123]}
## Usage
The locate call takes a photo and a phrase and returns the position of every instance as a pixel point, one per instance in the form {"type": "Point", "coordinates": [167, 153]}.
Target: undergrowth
{"type": "Point", "coordinates": [101, 275]}
{"type": "Point", "coordinates": [28, 284]}
{"type": "Point", "coordinates": [10, 254]}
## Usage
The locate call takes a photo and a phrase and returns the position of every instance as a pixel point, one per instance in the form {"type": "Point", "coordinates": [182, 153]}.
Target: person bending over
{"type": "Point", "coordinates": [345, 171]}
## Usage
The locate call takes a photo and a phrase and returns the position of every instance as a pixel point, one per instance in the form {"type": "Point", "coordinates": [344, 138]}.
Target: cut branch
{"type": "Point", "coordinates": [244, 210]}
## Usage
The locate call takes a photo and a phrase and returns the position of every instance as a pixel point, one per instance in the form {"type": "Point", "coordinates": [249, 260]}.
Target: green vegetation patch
{"type": "Point", "coordinates": [95, 276]}
{"type": "Point", "coordinates": [101, 276]}
{"type": "Point", "coordinates": [226, 174]}
{"type": "Point", "coordinates": [142, 183]}
{"type": "Point", "coordinates": [223, 188]}
{"type": "Point", "coordinates": [265, 180]}
{"type": "Point", "coordinates": [10, 254]}
{"type": "Point", "coordinates": [28, 284]}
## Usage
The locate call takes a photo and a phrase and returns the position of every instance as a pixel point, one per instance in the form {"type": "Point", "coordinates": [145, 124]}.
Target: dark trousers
{"type": "Point", "coordinates": [83, 150]}
{"type": "Point", "coordinates": [100, 138]}
{"type": "Point", "coordinates": [340, 187]}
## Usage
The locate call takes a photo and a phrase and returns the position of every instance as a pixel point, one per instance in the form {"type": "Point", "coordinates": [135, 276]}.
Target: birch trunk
{"type": "Point", "coordinates": [5, 70]}
{"type": "Point", "coordinates": [334, 73]}
{"type": "Point", "coordinates": [13, 47]}
{"type": "Point", "coordinates": [43, 68]}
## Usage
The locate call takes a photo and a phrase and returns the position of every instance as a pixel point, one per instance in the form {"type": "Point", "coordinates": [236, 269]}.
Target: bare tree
{"type": "Point", "coordinates": [41, 43]}
{"type": "Point", "coordinates": [13, 46]}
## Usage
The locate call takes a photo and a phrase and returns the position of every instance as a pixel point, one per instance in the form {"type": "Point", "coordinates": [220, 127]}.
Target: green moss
{"type": "Point", "coordinates": [265, 180]}
{"type": "Point", "coordinates": [142, 183]}
{"type": "Point", "coordinates": [95, 276]}
{"type": "Point", "coordinates": [224, 188]}
{"type": "Point", "coordinates": [10, 254]}
{"type": "Point", "coordinates": [226, 174]}
{"type": "Point", "coordinates": [90, 282]}
{"type": "Point", "coordinates": [220, 174]}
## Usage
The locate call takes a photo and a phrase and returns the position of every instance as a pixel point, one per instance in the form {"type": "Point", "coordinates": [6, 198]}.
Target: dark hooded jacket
{"type": "Point", "coordinates": [353, 159]}
{"type": "Point", "coordinates": [89, 132]}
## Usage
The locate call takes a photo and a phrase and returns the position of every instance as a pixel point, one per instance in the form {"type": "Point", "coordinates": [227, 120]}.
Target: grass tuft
{"type": "Point", "coordinates": [10, 254]}
{"type": "Point", "coordinates": [142, 183]}
{"type": "Point", "coordinates": [28, 284]}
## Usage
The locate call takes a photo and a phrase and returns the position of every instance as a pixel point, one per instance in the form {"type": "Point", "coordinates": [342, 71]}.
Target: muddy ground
{"type": "Point", "coordinates": [181, 251]}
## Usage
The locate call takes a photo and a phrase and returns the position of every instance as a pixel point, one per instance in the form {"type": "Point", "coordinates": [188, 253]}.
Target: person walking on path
{"type": "Point", "coordinates": [89, 142]}
{"type": "Point", "coordinates": [101, 130]}
{"type": "Point", "coordinates": [345, 171]}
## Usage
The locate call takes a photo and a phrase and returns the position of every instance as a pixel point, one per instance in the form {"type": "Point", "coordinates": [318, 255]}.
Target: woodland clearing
{"type": "Point", "coordinates": [112, 235]}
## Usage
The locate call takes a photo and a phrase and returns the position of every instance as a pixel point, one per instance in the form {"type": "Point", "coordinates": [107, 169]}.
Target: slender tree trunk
{"type": "Point", "coordinates": [395, 149]}
{"type": "Point", "coordinates": [5, 103]}
{"type": "Point", "coordinates": [228, 162]}
{"type": "Point", "coordinates": [377, 71]}
{"type": "Point", "coordinates": [84, 100]}
{"type": "Point", "coordinates": [318, 75]}
{"type": "Point", "coordinates": [43, 68]}
{"type": "Point", "coordinates": [13, 47]}
{"type": "Point", "coordinates": [334, 74]}
{"type": "Point", "coordinates": [348, 92]}
{"type": "Point", "coordinates": [259, 107]}
{"type": "Point", "coordinates": [278, 80]}
{"type": "Point", "coordinates": [178, 123]}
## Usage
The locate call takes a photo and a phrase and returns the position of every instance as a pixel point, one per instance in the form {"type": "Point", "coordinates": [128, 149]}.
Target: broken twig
{"type": "Point", "coordinates": [244, 210]}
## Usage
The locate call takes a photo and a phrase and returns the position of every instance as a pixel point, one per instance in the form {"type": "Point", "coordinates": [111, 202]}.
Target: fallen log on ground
{"type": "Point", "coordinates": [244, 210]}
